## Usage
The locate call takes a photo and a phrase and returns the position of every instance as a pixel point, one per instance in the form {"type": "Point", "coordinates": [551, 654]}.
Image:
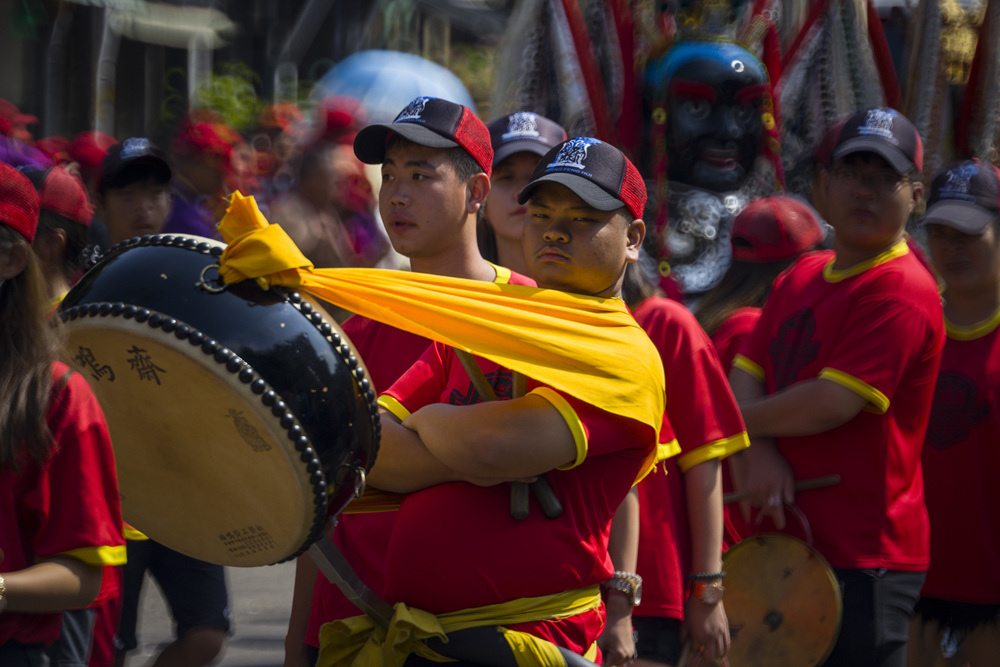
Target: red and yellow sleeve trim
{"type": "Point", "coordinates": [393, 406]}
{"type": "Point", "coordinates": [718, 449]}
{"type": "Point", "coordinates": [131, 533]}
{"type": "Point", "coordinates": [974, 331]}
{"type": "Point", "coordinates": [832, 275]}
{"type": "Point", "coordinates": [750, 367]}
{"type": "Point", "coordinates": [665, 450]}
{"type": "Point", "coordinates": [878, 400]}
{"type": "Point", "coordinates": [103, 555]}
{"type": "Point", "coordinates": [572, 421]}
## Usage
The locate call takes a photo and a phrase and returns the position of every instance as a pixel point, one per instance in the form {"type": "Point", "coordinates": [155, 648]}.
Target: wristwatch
{"type": "Point", "coordinates": [628, 583]}
{"type": "Point", "coordinates": [708, 592]}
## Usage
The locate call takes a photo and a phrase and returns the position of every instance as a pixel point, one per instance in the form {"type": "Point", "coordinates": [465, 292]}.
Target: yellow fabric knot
{"type": "Point", "coordinates": [359, 642]}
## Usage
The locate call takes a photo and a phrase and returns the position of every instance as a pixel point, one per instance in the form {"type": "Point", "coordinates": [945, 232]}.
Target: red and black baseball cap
{"type": "Point", "coordinates": [598, 173]}
{"type": "Point", "coordinates": [431, 122]}
{"type": "Point", "coordinates": [885, 132]}
{"type": "Point", "coordinates": [524, 131]}
{"type": "Point", "coordinates": [127, 155]}
{"type": "Point", "coordinates": [774, 229]}
{"type": "Point", "coordinates": [18, 202]}
{"type": "Point", "coordinates": [61, 193]}
{"type": "Point", "coordinates": [966, 196]}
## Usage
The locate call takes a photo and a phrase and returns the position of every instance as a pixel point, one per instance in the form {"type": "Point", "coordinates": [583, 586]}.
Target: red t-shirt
{"type": "Point", "coordinates": [456, 546]}
{"type": "Point", "coordinates": [961, 467]}
{"type": "Point", "coordinates": [730, 336]}
{"type": "Point", "coordinates": [703, 419]}
{"type": "Point", "coordinates": [877, 329]}
{"type": "Point", "coordinates": [66, 506]}
{"type": "Point", "coordinates": [364, 538]}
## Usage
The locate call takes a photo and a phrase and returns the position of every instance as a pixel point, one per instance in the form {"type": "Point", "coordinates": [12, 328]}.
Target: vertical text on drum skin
{"type": "Point", "coordinates": [87, 360]}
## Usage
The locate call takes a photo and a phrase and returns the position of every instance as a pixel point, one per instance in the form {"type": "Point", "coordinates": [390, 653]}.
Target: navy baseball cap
{"type": "Point", "coordinates": [966, 196]}
{"type": "Point", "coordinates": [431, 122]}
{"type": "Point", "coordinates": [524, 131]}
{"type": "Point", "coordinates": [129, 153]}
{"type": "Point", "coordinates": [885, 132]}
{"type": "Point", "coordinates": [598, 173]}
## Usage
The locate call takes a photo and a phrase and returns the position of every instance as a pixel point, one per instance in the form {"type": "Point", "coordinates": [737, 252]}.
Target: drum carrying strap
{"type": "Point", "coordinates": [551, 506]}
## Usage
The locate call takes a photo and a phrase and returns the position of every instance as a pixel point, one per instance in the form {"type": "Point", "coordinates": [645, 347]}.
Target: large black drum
{"type": "Point", "coordinates": [240, 418]}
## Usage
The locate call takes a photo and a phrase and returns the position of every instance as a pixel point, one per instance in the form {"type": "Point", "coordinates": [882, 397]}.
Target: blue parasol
{"type": "Point", "coordinates": [386, 81]}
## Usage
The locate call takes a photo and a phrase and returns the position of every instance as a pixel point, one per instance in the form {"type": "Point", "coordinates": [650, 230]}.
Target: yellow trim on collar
{"type": "Point", "coordinates": [719, 449]}
{"type": "Point", "coordinates": [503, 273]}
{"type": "Point", "coordinates": [974, 331]}
{"type": "Point", "coordinates": [572, 421]}
{"type": "Point", "coordinates": [877, 399]}
{"type": "Point", "coordinates": [832, 275]}
{"type": "Point", "coordinates": [745, 364]}
{"type": "Point", "coordinates": [103, 555]}
{"type": "Point", "coordinates": [393, 406]}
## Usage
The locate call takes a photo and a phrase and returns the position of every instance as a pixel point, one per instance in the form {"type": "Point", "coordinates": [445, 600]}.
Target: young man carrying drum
{"type": "Point", "coordinates": [455, 549]}
{"type": "Point", "coordinates": [436, 162]}
{"type": "Point", "coordinates": [840, 373]}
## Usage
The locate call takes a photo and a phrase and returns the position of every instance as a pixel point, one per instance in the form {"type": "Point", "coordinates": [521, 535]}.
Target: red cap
{"type": "Point", "coordinates": [774, 229]}
{"type": "Point", "coordinates": [18, 202]}
{"type": "Point", "coordinates": [340, 118]}
{"type": "Point", "coordinates": [55, 148]}
{"type": "Point", "coordinates": [62, 193]}
{"type": "Point", "coordinates": [89, 148]}
{"type": "Point", "coordinates": [196, 139]}
{"type": "Point", "coordinates": [15, 127]}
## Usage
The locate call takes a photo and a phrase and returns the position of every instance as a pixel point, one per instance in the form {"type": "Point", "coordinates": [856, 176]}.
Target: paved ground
{"type": "Point", "coordinates": [260, 598]}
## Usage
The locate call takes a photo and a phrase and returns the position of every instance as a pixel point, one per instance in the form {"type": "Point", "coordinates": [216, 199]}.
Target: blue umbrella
{"type": "Point", "coordinates": [386, 81]}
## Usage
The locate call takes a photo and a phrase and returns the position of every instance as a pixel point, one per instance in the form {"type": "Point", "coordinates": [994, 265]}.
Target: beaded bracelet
{"type": "Point", "coordinates": [707, 575]}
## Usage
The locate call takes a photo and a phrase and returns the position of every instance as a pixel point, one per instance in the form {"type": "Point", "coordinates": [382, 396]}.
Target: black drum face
{"type": "Point", "coordinates": [240, 418]}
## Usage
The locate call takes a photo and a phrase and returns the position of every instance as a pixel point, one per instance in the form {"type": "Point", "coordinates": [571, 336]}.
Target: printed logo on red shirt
{"type": "Point", "coordinates": [793, 347]}
{"type": "Point", "coordinates": [503, 386]}
{"type": "Point", "coordinates": [955, 412]}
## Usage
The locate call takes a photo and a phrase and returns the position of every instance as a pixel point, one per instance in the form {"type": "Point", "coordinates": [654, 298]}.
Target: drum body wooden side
{"type": "Point", "coordinates": [240, 417]}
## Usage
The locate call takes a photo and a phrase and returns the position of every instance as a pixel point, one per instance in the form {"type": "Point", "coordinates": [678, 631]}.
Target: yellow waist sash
{"type": "Point", "coordinates": [360, 642]}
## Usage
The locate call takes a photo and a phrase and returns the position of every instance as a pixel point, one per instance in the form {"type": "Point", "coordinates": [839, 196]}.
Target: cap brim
{"type": "Point", "coordinates": [895, 157]}
{"type": "Point", "coordinates": [964, 216]}
{"type": "Point", "coordinates": [520, 146]}
{"type": "Point", "coordinates": [152, 160]}
{"type": "Point", "coordinates": [369, 145]}
{"type": "Point", "coordinates": [586, 190]}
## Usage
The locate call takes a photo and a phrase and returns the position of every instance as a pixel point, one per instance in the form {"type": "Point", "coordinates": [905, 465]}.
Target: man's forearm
{"type": "Point", "coordinates": [404, 464]}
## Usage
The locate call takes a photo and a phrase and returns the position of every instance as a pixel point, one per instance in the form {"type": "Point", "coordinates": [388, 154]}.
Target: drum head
{"type": "Point", "coordinates": [168, 456]}
{"type": "Point", "coordinates": [241, 418]}
{"type": "Point", "coordinates": [783, 603]}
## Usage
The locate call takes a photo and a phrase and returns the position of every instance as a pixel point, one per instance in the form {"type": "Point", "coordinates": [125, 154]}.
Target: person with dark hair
{"type": "Point", "coordinates": [436, 162]}
{"type": "Point", "coordinates": [837, 378]}
{"type": "Point", "coordinates": [133, 191]}
{"type": "Point", "coordinates": [63, 224]}
{"type": "Point", "coordinates": [768, 235]}
{"type": "Point", "coordinates": [958, 622]}
{"type": "Point", "coordinates": [519, 140]}
{"type": "Point", "coordinates": [59, 505]}
{"type": "Point", "coordinates": [680, 507]}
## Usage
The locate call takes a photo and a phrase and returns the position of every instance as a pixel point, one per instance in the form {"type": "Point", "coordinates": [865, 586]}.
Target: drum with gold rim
{"type": "Point", "coordinates": [240, 418]}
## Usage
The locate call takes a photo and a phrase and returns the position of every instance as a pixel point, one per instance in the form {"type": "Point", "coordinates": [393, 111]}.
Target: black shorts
{"type": "Point", "coordinates": [194, 590]}
{"type": "Point", "coordinates": [878, 607]}
{"type": "Point", "coordinates": [658, 639]}
{"type": "Point", "coordinates": [957, 616]}
{"type": "Point", "coordinates": [15, 654]}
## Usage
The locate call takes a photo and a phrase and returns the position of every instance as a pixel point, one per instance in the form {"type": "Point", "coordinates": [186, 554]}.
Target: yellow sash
{"type": "Point", "coordinates": [359, 642]}
{"type": "Point", "coordinates": [589, 347]}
